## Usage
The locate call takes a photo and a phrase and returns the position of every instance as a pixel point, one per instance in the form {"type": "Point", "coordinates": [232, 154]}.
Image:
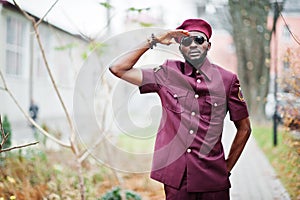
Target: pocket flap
{"type": "Point", "coordinates": [177, 93]}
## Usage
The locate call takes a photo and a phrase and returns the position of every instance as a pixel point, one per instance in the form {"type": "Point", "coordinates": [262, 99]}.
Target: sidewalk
{"type": "Point", "coordinates": [253, 177]}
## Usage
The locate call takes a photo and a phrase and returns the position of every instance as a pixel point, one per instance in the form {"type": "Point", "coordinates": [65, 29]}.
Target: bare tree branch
{"type": "Point", "coordinates": [36, 31]}
{"type": "Point", "coordinates": [73, 144]}
{"type": "Point", "coordinates": [4, 139]}
{"type": "Point", "coordinates": [18, 147]}
{"type": "Point", "coordinates": [42, 19]}
{"type": "Point", "coordinates": [24, 13]}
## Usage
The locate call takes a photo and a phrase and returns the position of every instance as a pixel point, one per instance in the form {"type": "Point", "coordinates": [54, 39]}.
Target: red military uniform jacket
{"type": "Point", "coordinates": [195, 103]}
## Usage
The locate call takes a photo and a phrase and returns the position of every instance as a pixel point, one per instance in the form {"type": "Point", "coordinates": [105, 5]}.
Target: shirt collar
{"type": "Point", "coordinates": [206, 69]}
{"type": "Point", "coordinates": [188, 69]}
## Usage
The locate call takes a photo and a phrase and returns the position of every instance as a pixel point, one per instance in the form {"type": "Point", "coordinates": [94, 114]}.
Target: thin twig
{"type": "Point", "coordinates": [105, 131]}
{"type": "Point", "coordinates": [73, 145]}
{"type": "Point", "coordinates": [35, 27]}
{"type": "Point", "coordinates": [4, 139]}
{"type": "Point", "coordinates": [24, 13]}
{"type": "Point", "coordinates": [42, 19]}
{"type": "Point", "coordinates": [72, 137]}
{"type": "Point", "coordinates": [89, 151]}
{"type": "Point", "coordinates": [18, 147]}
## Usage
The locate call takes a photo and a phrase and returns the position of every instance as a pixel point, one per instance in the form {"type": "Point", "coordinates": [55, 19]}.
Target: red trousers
{"type": "Point", "coordinates": [182, 194]}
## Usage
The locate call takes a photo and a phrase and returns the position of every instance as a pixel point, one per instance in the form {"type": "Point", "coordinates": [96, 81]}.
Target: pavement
{"type": "Point", "coordinates": [253, 178]}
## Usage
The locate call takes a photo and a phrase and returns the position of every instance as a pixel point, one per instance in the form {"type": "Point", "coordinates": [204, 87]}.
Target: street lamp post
{"type": "Point", "coordinates": [275, 115]}
{"type": "Point", "coordinates": [277, 8]}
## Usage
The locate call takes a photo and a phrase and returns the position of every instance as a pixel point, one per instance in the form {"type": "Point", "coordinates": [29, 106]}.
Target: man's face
{"type": "Point", "coordinates": [194, 49]}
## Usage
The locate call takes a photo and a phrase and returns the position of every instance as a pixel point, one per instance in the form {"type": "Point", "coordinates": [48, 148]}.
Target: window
{"type": "Point", "coordinates": [15, 46]}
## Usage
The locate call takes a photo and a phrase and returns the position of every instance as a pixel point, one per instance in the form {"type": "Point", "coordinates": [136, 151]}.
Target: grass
{"type": "Point", "coordinates": [139, 141]}
{"type": "Point", "coordinates": [284, 157]}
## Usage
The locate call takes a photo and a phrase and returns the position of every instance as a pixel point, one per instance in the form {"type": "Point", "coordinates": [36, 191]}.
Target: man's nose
{"type": "Point", "coordinates": [194, 44]}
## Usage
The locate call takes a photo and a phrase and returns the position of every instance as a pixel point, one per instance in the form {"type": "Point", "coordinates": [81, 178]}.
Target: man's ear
{"type": "Point", "coordinates": [208, 46]}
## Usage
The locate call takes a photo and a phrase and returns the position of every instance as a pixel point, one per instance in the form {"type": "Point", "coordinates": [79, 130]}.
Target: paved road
{"type": "Point", "coordinates": [253, 178]}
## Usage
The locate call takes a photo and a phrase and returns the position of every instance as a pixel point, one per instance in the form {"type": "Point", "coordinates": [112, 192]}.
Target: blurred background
{"type": "Point", "coordinates": [257, 39]}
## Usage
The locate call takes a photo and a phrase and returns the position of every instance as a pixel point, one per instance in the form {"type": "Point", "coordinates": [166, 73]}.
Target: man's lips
{"type": "Point", "coordinates": [194, 53]}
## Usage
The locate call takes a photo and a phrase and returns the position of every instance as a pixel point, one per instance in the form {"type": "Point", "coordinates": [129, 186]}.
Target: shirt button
{"type": "Point", "coordinates": [175, 95]}
{"type": "Point", "coordinates": [193, 113]}
{"type": "Point", "coordinates": [215, 104]}
{"type": "Point", "coordinates": [198, 81]}
{"type": "Point", "coordinates": [191, 131]}
{"type": "Point", "coordinates": [188, 150]}
{"type": "Point", "coordinates": [196, 96]}
{"type": "Point", "coordinates": [197, 72]}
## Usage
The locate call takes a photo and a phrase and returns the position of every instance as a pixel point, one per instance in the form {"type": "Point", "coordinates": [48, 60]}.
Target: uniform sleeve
{"type": "Point", "coordinates": [236, 103]}
{"type": "Point", "coordinates": [149, 83]}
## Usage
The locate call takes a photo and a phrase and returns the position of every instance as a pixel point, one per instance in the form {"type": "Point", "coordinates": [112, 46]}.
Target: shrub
{"type": "Point", "coordinates": [115, 194]}
{"type": "Point", "coordinates": [290, 83]}
{"type": "Point", "coordinates": [7, 130]}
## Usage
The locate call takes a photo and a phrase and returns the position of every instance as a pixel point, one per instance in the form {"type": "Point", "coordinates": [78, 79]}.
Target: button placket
{"type": "Point", "coordinates": [192, 130]}
{"type": "Point", "coordinates": [193, 114]}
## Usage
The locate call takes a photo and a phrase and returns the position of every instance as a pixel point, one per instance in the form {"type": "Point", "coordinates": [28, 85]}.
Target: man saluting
{"type": "Point", "coordinates": [196, 96]}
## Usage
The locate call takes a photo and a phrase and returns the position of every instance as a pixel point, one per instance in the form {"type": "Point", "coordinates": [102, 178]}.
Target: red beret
{"type": "Point", "coordinates": [196, 25]}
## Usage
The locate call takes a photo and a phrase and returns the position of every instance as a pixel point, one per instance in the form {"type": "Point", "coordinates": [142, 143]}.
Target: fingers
{"type": "Point", "coordinates": [177, 34]}
{"type": "Point", "coordinates": [181, 32]}
{"type": "Point", "coordinates": [167, 37]}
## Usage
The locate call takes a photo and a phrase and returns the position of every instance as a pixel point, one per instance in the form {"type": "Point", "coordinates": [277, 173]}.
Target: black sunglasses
{"type": "Point", "coordinates": [187, 41]}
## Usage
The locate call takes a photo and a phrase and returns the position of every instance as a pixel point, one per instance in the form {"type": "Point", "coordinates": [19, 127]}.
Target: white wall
{"type": "Point", "coordinates": [64, 64]}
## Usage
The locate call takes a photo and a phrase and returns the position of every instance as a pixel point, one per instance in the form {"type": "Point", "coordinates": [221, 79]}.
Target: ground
{"type": "Point", "coordinates": [52, 175]}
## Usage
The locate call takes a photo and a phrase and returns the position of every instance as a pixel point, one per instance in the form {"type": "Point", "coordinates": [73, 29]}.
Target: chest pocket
{"type": "Point", "coordinates": [214, 109]}
{"type": "Point", "coordinates": [175, 100]}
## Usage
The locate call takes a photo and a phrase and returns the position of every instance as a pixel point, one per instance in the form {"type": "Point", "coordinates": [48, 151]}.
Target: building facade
{"type": "Point", "coordinates": [23, 66]}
